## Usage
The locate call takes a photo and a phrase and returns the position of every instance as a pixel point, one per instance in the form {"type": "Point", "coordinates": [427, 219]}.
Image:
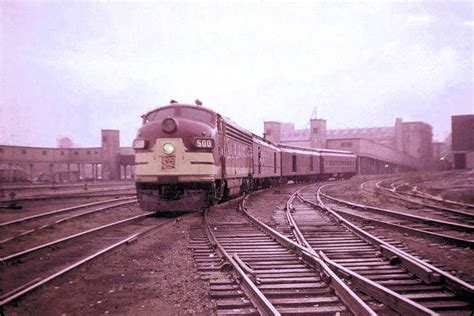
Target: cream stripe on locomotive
{"type": "Point", "coordinates": [188, 166]}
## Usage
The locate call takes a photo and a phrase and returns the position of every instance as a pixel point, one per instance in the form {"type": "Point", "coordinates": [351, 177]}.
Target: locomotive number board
{"type": "Point", "coordinates": [204, 143]}
{"type": "Point", "coordinates": [168, 162]}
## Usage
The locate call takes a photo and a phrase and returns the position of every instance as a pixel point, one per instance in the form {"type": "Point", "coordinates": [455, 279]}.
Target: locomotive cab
{"type": "Point", "coordinates": [176, 157]}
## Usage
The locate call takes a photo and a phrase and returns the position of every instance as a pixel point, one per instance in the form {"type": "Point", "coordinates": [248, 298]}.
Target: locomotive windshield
{"type": "Point", "coordinates": [192, 113]}
{"type": "Point", "coordinates": [159, 115]}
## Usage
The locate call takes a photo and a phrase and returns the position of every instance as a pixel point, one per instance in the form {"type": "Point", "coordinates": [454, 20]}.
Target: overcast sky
{"type": "Point", "coordinates": [73, 68]}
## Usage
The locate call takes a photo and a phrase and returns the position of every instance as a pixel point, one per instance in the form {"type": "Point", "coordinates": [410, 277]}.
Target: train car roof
{"type": "Point", "coordinates": [300, 150]}
{"type": "Point", "coordinates": [319, 150]}
{"type": "Point", "coordinates": [343, 154]}
{"type": "Point", "coordinates": [265, 142]}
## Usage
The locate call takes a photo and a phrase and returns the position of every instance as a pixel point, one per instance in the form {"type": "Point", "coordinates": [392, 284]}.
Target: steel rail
{"type": "Point", "coordinates": [98, 184]}
{"type": "Point", "coordinates": [61, 240]}
{"type": "Point", "coordinates": [417, 193]}
{"type": "Point", "coordinates": [294, 228]}
{"type": "Point", "coordinates": [34, 284]}
{"type": "Point", "coordinates": [72, 208]}
{"type": "Point", "coordinates": [258, 299]}
{"type": "Point", "coordinates": [413, 218]}
{"type": "Point", "coordinates": [399, 196]}
{"type": "Point", "coordinates": [22, 234]}
{"type": "Point", "coordinates": [462, 227]}
{"type": "Point", "coordinates": [392, 299]}
{"type": "Point", "coordinates": [420, 268]}
{"type": "Point", "coordinates": [443, 200]}
{"type": "Point", "coordinates": [353, 301]}
{"type": "Point", "coordinates": [388, 297]}
{"type": "Point", "coordinates": [415, 231]}
{"type": "Point", "coordinates": [64, 195]}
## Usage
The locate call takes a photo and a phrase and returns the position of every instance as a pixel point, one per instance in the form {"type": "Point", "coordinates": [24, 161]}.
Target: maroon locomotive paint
{"type": "Point", "coordinates": [189, 157]}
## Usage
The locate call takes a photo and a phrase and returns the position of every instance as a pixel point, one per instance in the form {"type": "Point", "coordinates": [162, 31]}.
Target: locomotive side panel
{"type": "Point", "coordinates": [237, 159]}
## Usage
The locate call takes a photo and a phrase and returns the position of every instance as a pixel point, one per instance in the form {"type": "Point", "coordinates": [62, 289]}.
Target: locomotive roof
{"type": "Point", "coordinates": [179, 105]}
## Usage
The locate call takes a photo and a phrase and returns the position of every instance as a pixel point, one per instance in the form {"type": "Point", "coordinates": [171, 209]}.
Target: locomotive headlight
{"type": "Point", "coordinates": [168, 148]}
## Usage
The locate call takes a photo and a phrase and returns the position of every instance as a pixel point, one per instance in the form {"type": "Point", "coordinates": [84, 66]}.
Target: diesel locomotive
{"type": "Point", "coordinates": [188, 157]}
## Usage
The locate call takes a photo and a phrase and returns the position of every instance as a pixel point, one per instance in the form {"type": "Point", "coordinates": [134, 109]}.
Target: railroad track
{"type": "Point", "coordinates": [6, 201]}
{"type": "Point", "coordinates": [267, 279]}
{"type": "Point", "coordinates": [360, 256]}
{"type": "Point", "coordinates": [421, 224]}
{"type": "Point", "coordinates": [21, 227]}
{"type": "Point", "coordinates": [273, 275]}
{"type": "Point", "coordinates": [413, 196]}
{"type": "Point", "coordinates": [27, 270]}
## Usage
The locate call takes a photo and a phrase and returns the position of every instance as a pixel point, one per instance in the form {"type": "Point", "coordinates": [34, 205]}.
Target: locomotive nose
{"type": "Point", "coordinates": [169, 125]}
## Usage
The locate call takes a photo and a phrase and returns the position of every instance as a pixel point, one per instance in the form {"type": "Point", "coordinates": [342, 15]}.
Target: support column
{"type": "Point", "coordinates": [10, 174]}
{"type": "Point", "coordinates": [68, 172]}
{"type": "Point", "coordinates": [51, 173]}
{"type": "Point", "coordinates": [31, 172]}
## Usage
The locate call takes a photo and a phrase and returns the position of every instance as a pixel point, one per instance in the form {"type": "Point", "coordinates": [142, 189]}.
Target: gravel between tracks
{"type": "Point", "coordinates": [263, 204]}
{"type": "Point", "coordinates": [154, 276]}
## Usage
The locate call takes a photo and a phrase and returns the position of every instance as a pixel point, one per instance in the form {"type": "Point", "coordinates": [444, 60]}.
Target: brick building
{"type": "Point", "coordinates": [463, 141]}
{"type": "Point", "coordinates": [108, 162]}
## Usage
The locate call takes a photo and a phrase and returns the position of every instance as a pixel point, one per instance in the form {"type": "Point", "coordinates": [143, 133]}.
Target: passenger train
{"type": "Point", "coordinates": [189, 157]}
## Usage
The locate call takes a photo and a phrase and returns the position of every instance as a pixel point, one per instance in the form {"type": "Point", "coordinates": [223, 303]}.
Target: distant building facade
{"type": "Point", "coordinates": [407, 145]}
{"type": "Point", "coordinates": [42, 164]}
{"type": "Point", "coordinates": [462, 141]}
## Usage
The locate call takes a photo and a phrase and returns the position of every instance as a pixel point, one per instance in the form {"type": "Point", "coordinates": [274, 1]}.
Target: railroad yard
{"type": "Point", "coordinates": [400, 244]}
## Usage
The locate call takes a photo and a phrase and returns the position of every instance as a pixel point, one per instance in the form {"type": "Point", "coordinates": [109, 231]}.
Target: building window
{"type": "Point", "coordinates": [1, 150]}
{"type": "Point", "coordinates": [62, 153]}
{"type": "Point", "coordinates": [88, 152]}
{"type": "Point", "coordinates": [346, 144]}
{"type": "Point", "coordinates": [76, 153]}
{"type": "Point", "coordinates": [23, 151]}
{"type": "Point", "coordinates": [294, 163]}
{"type": "Point", "coordinates": [315, 130]}
{"type": "Point", "coordinates": [44, 152]}
{"type": "Point", "coordinates": [96, 152]}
